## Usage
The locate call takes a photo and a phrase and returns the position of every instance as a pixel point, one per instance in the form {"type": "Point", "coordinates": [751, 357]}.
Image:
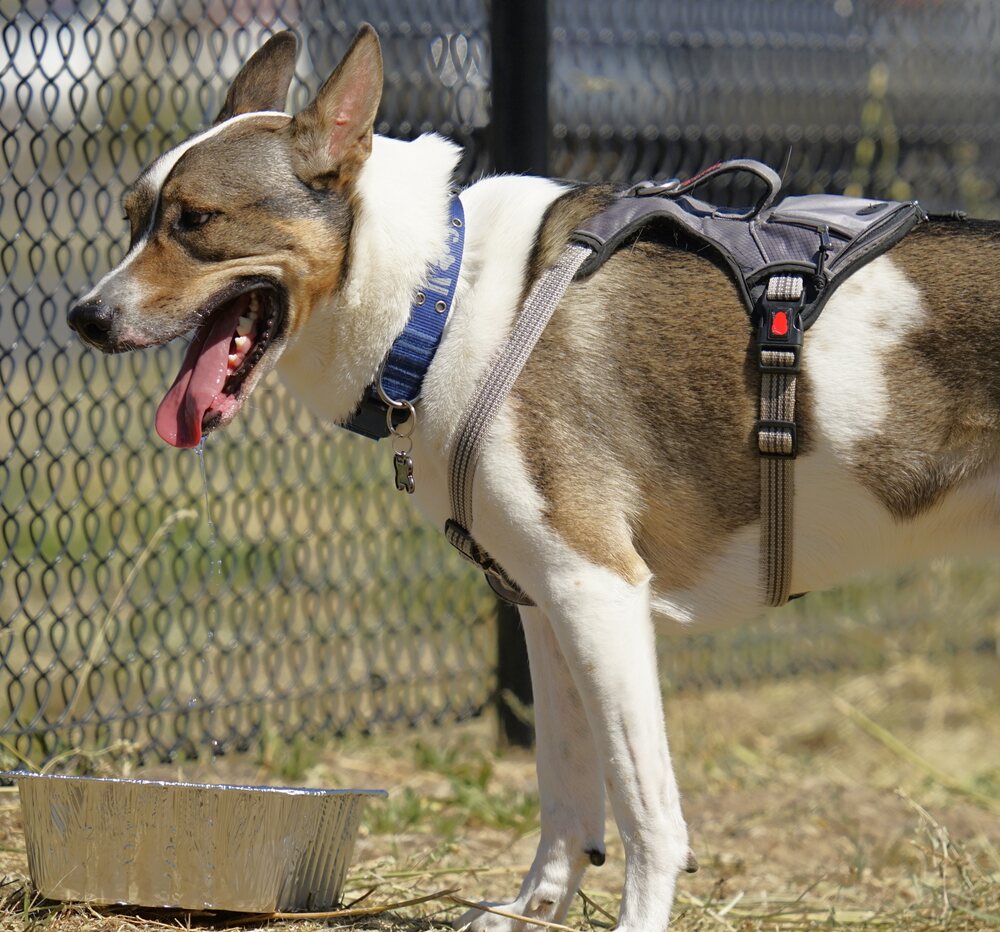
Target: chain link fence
{"type": "Point", "coordinates": [278, 585]}
{"type": "Point", "coordinates": [886, 98]}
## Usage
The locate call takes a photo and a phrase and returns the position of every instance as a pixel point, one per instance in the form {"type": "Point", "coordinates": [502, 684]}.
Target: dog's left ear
{"type": "Point", "coordinates": [262, 83]}
{"type": "Point", "coordinates": [332, 137]}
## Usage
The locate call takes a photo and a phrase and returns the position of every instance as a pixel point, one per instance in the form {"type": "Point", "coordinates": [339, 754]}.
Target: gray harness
{"type": "Point", "coordinates": [786, 259]}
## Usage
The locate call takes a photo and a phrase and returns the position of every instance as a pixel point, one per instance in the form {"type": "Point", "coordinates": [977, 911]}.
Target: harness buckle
{"type": "Point", "coordinates": [779, 335]}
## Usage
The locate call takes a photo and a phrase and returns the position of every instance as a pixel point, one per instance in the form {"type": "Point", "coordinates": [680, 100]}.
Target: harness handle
{"type": "Point", "coordinates": [759, 170]}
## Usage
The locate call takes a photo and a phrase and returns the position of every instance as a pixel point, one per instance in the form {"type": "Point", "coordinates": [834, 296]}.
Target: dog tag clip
{"type": "Point", "coordinates": [402, 442]}
{"type": "Point", "coordinates": [403, 464]}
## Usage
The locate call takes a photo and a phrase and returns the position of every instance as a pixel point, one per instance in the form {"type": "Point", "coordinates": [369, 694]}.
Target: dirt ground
{"type": "Point", "coordinates": [865, 802]}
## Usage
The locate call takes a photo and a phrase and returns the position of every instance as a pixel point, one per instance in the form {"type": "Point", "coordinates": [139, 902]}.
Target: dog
{"type": "Point", "coordinates": [619, 482]}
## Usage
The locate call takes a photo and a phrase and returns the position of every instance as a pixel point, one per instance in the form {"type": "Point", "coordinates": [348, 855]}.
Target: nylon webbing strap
{"type": "Point", "coordinates": [401, 377]}
{"type": "Point", "coordinates": [776, 441]}
{"type": "Point", "coordinates": [489, 397]}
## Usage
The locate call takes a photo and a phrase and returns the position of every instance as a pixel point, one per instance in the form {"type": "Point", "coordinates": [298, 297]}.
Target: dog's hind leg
{"type": "Point", "coordinates": [570, 786]}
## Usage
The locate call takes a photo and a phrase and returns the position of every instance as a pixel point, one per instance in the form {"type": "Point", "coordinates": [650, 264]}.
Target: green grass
{"type": "Point", "coordinates": [475, 798]}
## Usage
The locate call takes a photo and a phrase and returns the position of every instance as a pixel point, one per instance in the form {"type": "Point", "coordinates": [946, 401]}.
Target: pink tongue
{"type": "Point", "coordinates": [202, 375]}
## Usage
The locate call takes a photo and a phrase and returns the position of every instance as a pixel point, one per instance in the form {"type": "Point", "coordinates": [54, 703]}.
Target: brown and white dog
{"type": "Point", "coordinates": [620, 481]}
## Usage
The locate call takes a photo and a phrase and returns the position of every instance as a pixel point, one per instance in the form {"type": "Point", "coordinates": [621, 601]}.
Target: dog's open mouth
{"type": "Point", "coordinates": [223, 353]}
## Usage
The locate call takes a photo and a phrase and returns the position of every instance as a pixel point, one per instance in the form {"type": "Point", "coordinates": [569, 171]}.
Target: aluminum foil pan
{"type": "Point", "coordinates": [188, 845]}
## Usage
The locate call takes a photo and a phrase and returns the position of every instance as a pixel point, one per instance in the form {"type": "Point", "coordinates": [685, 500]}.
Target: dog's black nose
{"type": "Point", "coordinates": [93, 322]}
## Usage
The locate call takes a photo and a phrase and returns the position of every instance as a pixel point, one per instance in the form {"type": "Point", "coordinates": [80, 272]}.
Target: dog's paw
{"type": "Point", "coordinates": [537, 906]}
{"type": "Point", "coordinates": [481, 920]}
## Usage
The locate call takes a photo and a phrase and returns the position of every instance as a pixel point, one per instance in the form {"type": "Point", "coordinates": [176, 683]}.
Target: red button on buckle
{"type": "Point", "coordinates": [779, 324]}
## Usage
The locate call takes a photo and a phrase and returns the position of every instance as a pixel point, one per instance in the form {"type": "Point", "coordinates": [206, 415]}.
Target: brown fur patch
{"type": "Point", "coordinates": [944, 378]}
{"type": "Point", "coordinates": [263, 218]}
{"type": "Point", "coordinates": [636, 411]}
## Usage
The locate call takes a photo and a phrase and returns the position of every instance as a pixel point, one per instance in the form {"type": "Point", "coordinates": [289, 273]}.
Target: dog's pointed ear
{"type": "Point", "coordinates": [332, 137]}
{"type": "Point", "coordinates": [262, 83]}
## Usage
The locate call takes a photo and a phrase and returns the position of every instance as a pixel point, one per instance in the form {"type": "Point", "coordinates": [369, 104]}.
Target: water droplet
{"type": "Point", "coordinates": [215, 566]}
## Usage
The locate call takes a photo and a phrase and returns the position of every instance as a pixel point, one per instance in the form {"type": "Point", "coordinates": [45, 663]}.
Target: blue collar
{"type": "Point", "coordinates": [403, 370]}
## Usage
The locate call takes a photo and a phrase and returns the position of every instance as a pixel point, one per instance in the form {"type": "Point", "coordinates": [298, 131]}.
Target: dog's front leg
{"type": "Point", "coordinates": [570, 786]}
{"type": "Point", "coordinates": [605, 630]}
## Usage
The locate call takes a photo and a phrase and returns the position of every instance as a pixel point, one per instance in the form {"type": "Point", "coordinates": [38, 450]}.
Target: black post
{"type": "Point", "coordinates": [513, 680]}
{"type": "Point", "coordinates": [519, 123]}
{"type": "Point", "coordinates": [519, 142]}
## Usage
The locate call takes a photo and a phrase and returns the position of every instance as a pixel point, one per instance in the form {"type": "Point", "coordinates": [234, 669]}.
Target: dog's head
{"type": "Point", "coordinates": [238, 234]}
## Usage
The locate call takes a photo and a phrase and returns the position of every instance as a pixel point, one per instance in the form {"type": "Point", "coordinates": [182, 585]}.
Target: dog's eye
{"type": "Point", "coordinates": [193, 219]}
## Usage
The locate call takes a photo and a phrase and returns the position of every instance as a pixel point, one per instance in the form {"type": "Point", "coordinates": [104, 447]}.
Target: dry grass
{"type": "Point", "coordinates": [865, 803]}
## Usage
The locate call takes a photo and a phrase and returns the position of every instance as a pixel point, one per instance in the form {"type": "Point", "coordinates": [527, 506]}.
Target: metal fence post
{"type": "Point", "coordinates": [519, 136]}
{"type": "Point", "coordinates": [513, 680]}
{"type": "Point", "coordinates": [519, 86]}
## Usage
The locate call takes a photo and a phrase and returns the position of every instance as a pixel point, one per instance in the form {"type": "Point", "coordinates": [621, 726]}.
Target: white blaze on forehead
{"type": "Point", "coordinates": [159, 171]}
{"type": "Point", "coordinates": [125, 290]}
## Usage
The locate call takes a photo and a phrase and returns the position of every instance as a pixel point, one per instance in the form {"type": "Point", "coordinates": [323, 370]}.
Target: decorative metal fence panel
{"type": "Point", "coordinates": [313, 602]}
{"type": "Point", "coordinates": [319, 602]}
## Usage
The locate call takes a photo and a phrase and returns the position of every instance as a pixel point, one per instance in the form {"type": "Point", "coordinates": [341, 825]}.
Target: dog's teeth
{"type": "Point", "coordinates": [253, 303]}
{"type": "Point", "coordinates": [234, 360]}
{"type": "Point", "coordinates": [244, 326]}
{"type": "Point", "coordinates": [242, 342]}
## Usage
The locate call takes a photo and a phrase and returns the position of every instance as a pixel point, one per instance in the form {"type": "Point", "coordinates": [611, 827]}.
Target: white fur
{"type": "Point", "coordinates": [400, 229]}
{"type": "Point", "coordinates": [571, 786]}
{"type": "Point", "coordinates": [603, 629]}
{"type": "Point", "coordinates": [844, 351]}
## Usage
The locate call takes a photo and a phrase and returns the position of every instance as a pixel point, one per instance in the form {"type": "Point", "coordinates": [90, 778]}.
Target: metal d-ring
{"type": "Point", "coordinates": [405, 427]}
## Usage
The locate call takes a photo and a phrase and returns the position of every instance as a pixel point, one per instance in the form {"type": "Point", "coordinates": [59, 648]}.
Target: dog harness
{"type": "Point", "coordinates": [786, 260]}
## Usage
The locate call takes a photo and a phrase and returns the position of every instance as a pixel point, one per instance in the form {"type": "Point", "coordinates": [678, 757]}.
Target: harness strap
{"type": "Point", "coordinates": [490, 394]}
{"type": "Point", "coordinates": [779, 344]}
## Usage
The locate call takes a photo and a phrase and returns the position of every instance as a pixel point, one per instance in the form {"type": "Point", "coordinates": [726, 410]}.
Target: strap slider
{"type": "Point", "coordinates": [780, 360]}
{"type": "Point", "coordinates": [777, 439]}
{"type": "Point", "coordinates": [499, 581]}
